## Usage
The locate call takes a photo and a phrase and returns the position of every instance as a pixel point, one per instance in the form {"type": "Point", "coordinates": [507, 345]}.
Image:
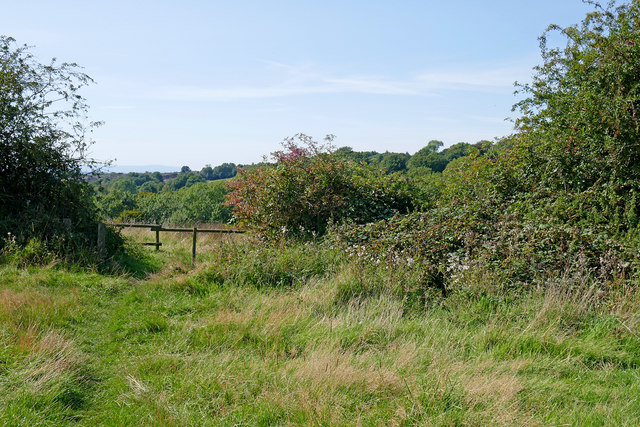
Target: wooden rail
{"type": "Point", "coordinates": [158, 228]}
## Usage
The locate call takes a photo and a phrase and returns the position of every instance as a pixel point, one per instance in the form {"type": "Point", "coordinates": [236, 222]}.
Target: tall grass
{"type": "Point", "coordinates": [302, 334]}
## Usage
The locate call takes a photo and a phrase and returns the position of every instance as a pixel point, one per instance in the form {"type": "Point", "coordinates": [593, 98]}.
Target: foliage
{"type": "Point", "coordinates": [131, 182]}
{"type": "Point", "coordinates": [224, 171]}
{"type": "Point", "coordinates": [350, 343]}
{"type": "Point", "coordinates": [394, 162]}
{"type": "Point", "coordinates": [428, 157]}
{"type": "Point", "coordinates": [185, 179]}
{"type": "Point", "coordinates": [113, 203]}
{"type": "Point", "coordinates": [368, 157]}
{"type": "Point", "coordinates": [154, 182]}
{"type": "Point", "coordinates": [199, 203]}
{"type": "Point", "coordinates": [581, 118]}
{"type": "Point", "coordinates": [556, 198]}
{"type": "Point", "coordinates": [309, 187]}
{"type": "Point", "coordinates": [207, 172]}
{"type": "Point", "coordinates": [43, 143]}
{"type": "Point", "coordinates": [426, 187]}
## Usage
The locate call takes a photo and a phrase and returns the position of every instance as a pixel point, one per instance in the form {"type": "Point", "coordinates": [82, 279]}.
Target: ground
{"type": "Point", "coordinates": [244, 338]}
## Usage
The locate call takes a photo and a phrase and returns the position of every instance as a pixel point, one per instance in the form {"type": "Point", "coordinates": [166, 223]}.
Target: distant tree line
{"type": "Point", "coordinates": [198, 203]}
{"type": "Point", "coordinates": [431, 158]}
{"type": "Point", "coordinates": [427, 159]}
{"type": "Point", "coordinates": [156, 182]}
{"type": "Point", "coordinates": [162, 197]}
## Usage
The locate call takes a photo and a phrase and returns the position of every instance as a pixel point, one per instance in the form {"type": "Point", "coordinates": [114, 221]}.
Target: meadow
{"type": "Point", "coordinates": [304, 334]}
{"type": "Point", "coordinates": [493, 283]}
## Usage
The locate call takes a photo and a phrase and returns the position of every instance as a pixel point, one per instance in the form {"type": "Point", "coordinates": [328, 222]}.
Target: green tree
{"type": "Point", "coordinates": [224, 171]}
{"type": "Point", "coordinates": [394, 162]}
{"type": "Point", "coordinates": [157, 176]}
{"type": "Point", "coordinates": [428, 157]}
{"type": "Point", "coordinates": [149, 187]}
{"type": "Point", "coordinates": [207, 172]}
{"type": "Point", "coordinates": [183, 180]}
{"type": "Point", "coordinates": [461, 149]}
{"type": "Point", "coordinates": [43, 146]}
{"type": "Point", "coordinates": [125, 184]}
{"type": "Point", "coordinates": [580, 122]}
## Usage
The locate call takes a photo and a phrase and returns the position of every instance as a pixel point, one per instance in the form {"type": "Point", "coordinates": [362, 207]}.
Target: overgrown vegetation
{"type": "Point", "coordinates": [494, 283]}
{"type": "Point", "coordinates": [559, 196]}
{"type": "Point", "coordinates": [303, 335]}
{"type": "Point", "coordinates": [44, 199]}
{"type": "Point", "coordinates": [200, 203]}
{"type": "Point", "coordinates": [308, 187]}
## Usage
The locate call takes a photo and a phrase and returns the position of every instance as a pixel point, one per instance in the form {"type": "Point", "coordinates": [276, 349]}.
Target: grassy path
{"type": "Point", "coordinates": [184, 347]}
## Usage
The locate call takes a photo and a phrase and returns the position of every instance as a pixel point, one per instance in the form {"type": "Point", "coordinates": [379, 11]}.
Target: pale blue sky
{"type": "Point", "coordinates": [196, 82]}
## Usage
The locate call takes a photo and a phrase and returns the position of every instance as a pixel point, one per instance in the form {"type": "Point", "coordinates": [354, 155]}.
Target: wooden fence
{"type": "Point", "coordinates": [158, 228]}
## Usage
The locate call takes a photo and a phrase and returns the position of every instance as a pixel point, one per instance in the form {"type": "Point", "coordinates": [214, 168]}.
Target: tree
{"type": "Point", "coordinates": [580, 123]}
{"type": "Point", "coordinates": [394, 162]}
{"type": "Point", "coordinates": [225, 170]}
{"type": "Point", "coordinates": [43, 146]}
{"type": "Point", "coordinates": [185, 169]}
{"type": "Point", "coordinates": [434, 145]}
{"type": "Point", "coordinates": [207, 172]}
{"type": "Point", "coordinates": [428, 157]}
{"type": "Point", "coordinates": [149, 187]}
{"type": "Point", "coordinates": [183, 180]}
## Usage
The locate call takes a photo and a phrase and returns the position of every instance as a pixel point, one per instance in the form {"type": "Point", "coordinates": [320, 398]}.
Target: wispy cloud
{"type": "Point", "coordinates": [305, 80]}
{"type": "Point", "coordinates": [118, 107]}
{"type": "Point", "coordinates": [474, 78]}
{"type": "Point", "coordinates": [373, 85]}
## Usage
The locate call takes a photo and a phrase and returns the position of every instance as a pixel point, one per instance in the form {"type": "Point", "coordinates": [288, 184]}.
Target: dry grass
{"type": "Point", "coordinates": [333, 369]}
{"type": "Point", "coordinates": [239, 354]}
{"type": "Point", "coordinates": [24, 308]}
{"type": "Point", "coordinates": [52, 356]}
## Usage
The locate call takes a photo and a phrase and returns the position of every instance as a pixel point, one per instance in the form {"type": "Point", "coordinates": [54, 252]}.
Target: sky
{"type": "Point", "coordinates": [207, 82]}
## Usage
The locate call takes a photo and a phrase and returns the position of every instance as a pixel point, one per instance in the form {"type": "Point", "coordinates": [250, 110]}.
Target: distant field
{"type": "Point", "coordinates": [299, 335]}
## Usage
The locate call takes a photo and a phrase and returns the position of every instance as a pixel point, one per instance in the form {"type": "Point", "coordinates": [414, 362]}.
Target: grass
{"type": "Point", "coordinates": [299, 335]}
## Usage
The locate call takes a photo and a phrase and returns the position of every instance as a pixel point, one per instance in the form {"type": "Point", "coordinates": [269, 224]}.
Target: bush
{"type": "Point", "coordinates": [308, 187]}
{"type": "Point", "coordinates": [43, 193]}
{"type": "Point", "coordinates": [581, 117]}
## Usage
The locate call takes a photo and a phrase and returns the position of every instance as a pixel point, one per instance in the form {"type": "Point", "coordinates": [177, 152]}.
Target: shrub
{"type": "Point", "coordinates": [43, 146]}
{"type": "Point", "coordinates": [308, 187]}
{"type": "Point", "coordinates": [581, 117]}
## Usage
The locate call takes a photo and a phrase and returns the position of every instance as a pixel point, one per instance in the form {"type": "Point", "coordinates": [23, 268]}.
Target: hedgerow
{"type": "Point", "coordinates": [308, 187]}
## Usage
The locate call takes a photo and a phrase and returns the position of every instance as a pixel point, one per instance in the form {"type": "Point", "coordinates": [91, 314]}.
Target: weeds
{"type": "Point", "coordinates": [300, 334]}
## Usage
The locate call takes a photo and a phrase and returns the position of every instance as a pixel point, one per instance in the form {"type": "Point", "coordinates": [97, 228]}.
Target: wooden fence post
{"type": "Point", "coordinates": [193, 247]}
{"type": "Point", "coordinates": [158, 239]}
{"type": "Point", "coordinates": [102, 232]}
